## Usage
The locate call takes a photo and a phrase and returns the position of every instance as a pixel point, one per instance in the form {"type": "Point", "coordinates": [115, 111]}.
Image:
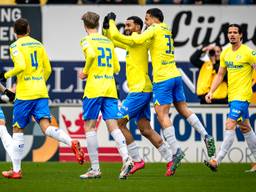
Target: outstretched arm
{"type": "Point", "coordinates": [216, 82]}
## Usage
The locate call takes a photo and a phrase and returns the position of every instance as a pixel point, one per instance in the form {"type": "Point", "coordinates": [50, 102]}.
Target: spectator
{"type": "Point", "coordinates": [7, 2]}
{"type": "Point", "coordinates": [62, 2]}
{"type": "Point", "coordinates": [110, 1]}
{"type": "Point", "coordinates": [27, 1]}
{"type": "Point", "coordinates": [208, 69]}
{"type": "Point", "coordinates": [177, 2]}
{"type": "Point", "coordinates": [200, 2]}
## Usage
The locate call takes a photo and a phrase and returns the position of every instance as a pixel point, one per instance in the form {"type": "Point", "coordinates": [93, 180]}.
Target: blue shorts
{"type": "Point", "coordinates": [238, 110]}
{"type": "Point", "coordinates": [24, 109]}
{"type": "Point", "coordinates": [92, 107]}
{"type": "Point", "coordinates": [169, 91]}
{"type": "Point", "coordinates": [2, 114]}
{"type": "Point", "coordinates": [136, 105]}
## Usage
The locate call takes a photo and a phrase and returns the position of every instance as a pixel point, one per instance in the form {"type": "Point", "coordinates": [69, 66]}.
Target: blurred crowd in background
{"type": "Point", "coordinates": [141, 2]}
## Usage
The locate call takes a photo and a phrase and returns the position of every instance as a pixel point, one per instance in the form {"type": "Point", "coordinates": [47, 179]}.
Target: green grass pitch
{"type": "Point", "coordinates": [62, 177]}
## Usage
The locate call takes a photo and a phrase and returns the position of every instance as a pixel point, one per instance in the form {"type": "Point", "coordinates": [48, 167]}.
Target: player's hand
{"type": "Point", "coordinates": [254, 66]}
{"type": "Point", "coordinates": [208, 97]}
{"type": "Point", "coordinates": [106, 23]}
{"type": "Point", "coordinates": [82, 75]}
{"type": "Point", "coordinates": [111, 15]}
{"type": "Point", "coordinates": [10, 95]}
{"type": "Point", "coordinates": [2, 78]}
{"type": "Point", "coordinates": [208, 48]}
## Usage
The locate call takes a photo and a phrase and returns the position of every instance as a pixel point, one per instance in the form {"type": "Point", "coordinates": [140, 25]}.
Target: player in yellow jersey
{"type": "Point", "coordinates": [32, 69]}
{"type": "Point", "coordinates": [137, 103]}
{"type": "Point", "coordinates": [238, 60]}
{"type": "Point", "coordinates": [167, 82]}
{"type": "Point", "coordinates": [100, 94]}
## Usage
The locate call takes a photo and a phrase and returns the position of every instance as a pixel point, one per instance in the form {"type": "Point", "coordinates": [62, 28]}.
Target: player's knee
{"type": "Point", "coordinates": [122, 123]}
{"type": "Point", "coordinates": [145, 132]}
{"type": "Point", "coordinates": [245, 128]}
{"type": "Point", "coordinates": [16, 129]}
{"type": "Point", "coordinates": [2, 122]}
{"type": "Point", "coordinates": [230, 124]}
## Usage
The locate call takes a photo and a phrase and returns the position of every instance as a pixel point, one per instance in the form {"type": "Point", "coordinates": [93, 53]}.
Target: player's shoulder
{"type": "Point", "coordinates": [13, 45]}
{"type": "Point", "coordinates": [35, 41]}
{"type": "Point", "coordinates": [247, 49]}
{"type": "Point", "coordinates": [28, 41]}
{"type": "Point", "coordinates": [226, 49]}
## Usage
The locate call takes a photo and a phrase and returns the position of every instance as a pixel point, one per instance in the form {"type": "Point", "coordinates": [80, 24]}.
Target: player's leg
{"type": "Point", "coordinates": [41, 113]}
{"type": "Point", "coordinates": [169, 135]}
{"type": "Point", "coordinates": [21, 117]}
{"type": "Point", "coordinates": [4, 135]}
{"type": "Point", "coordinates": [143, 122]}
{"type": "Point", "coordinates": [163, 148]}
{"type": "Point", "coordinates": [109, 111]}
{"type": "Point", "coordinates": [134, 103]}
{"type": "Point", "coordinates": [229, 134]}
{"type": "Point", "coordinates": [162, 99]}
{"type": "Point", "coordinates": [249, 135]}
{"type": "Point", "coordinates": [193, 120]}
{"type": "Point", "coordinates": [92, 148]}
{"type": "Point", "coordinates": [248, 132]}
{"type": "Point", "coordinates": [179, 101]}
{"type": "Point", "coordinates": [132, 147]}
{"type": "Point", "coordinates": [91, 110]}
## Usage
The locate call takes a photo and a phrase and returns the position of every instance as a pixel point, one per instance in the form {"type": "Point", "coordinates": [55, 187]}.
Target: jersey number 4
{"type": "Point", "coordinates": [105, 53]}
{"type": "Point", "coordinates": [33, 57]}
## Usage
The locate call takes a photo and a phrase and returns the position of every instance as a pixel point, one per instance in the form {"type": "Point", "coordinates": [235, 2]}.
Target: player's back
{"type": "Point", "coordinates": [162, 53]}
{"type": "Point", "coordinates": [100, 81]}
{"type": "Point", "coordinates": [31, 81]}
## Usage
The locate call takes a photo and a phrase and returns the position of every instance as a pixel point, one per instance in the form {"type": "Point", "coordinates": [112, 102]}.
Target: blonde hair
{"type": "Point", "coordinates": [91, 20]}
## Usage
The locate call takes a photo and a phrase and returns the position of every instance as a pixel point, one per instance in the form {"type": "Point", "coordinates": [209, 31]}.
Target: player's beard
{"type": "Point", "coordinates": [127, 32]}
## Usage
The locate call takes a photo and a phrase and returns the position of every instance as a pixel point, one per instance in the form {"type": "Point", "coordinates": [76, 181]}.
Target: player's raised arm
{"type": "Point", "coordinates": [116, 35]}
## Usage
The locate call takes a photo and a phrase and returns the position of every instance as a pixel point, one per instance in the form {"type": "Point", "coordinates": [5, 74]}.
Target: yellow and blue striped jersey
{"type": "Point", "coordinates": [239, 67]}
{"type": "Point", "coordinates": [101, 64]}
{"type": "Point", "coordinates": [161, 49]}
{"type": "Point", "coordinates": [32, 68]}
{"type": "Point", "coordinates": [136, 65]}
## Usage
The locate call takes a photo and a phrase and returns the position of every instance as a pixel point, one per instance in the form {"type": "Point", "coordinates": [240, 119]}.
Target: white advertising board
{"type": "Point", "coordinates": [189, 141]}
{"type": "Point", "coordinates": [192, 26]}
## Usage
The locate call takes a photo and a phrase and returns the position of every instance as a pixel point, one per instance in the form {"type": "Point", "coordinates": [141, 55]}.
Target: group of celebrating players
{"type": "Point", "coordinates": [32, 68]}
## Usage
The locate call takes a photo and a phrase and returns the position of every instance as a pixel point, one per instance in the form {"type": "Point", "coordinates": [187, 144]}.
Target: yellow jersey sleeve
{"type": "Point", "coordinates": [116, 43]}
{"type": "Point", "coordinates": [116, 62]}
{"type": "Point", "coordinates": [47, 66]}
{"type": "Point", "coordinates": [18, 60]}
{"type": "Point", "coordinates": [89, 55]}
{"type": "Point", "coordinates": [116, 35]}
{"type": "Point", "coordinates": [252, 56]}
